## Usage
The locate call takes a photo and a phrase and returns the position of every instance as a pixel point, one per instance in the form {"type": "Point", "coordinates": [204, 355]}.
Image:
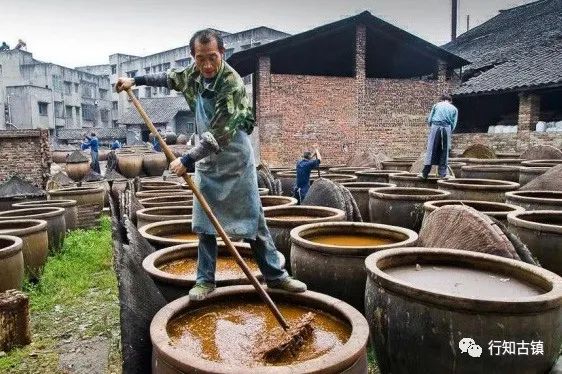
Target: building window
{"type": "Point", "coordinates": [159, 67]}
{"type": "Point", "coordinates": [43, 108]}
{"type": "Point", "coordinates": [183, 62]}
{"type": "Point", "coordinates": [68, 110]}
{"type": "Point", "coordinates": [76, 85]}
{"type": "Point", "coordinates": [87, 91]}
{"type": "Point", "coordinates": [132, 73]}
{"type": "Point", "coordinates": [147, 92]}
{"type": "Point", "coordinates": [78, 114]}
{"type": "Point", "coordinates": [104, 115]}
{"type": "Point", "coordinates": [88, 112]}
{"type": "Point", "coordinates": [114, 105]}
{"type": "Point", "coordinates": [155, 91]}
{"type": "Point", "coordinates": [103, 94]}
{"type": "Point", "coordinates": [190, 127]}
{"type": "Point", "coordinates": [147, 70]}
{"type": "Point", "coordinates": [113, 69]}
{"type": "Point", "coordinates": [57, 83]}
{"type": "Point", "coordinates": [67, 88]}
{"type": "Point", "coordinates": [166, 66]}
{"type": "Point", "coordinates": [165, 91]}
{"type": "Point", "coordinates": [136, 93]}
{"type": "Point", "coordinates": [114, 123]}
{"type": "Point", "coordinates": [59, 109]}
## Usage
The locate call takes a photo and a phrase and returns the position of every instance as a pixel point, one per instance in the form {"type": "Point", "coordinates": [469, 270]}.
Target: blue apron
{"type": "Point", "coordinates": [228, 182]}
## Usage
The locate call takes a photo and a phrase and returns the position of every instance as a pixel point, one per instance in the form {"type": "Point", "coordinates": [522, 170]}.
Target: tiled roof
{"type": "Point", "coordinates": [101, 133]}
{"type": "Point", "coordinates": [159, 110]}
{"type": "Point", "coordinates": [519, 48]}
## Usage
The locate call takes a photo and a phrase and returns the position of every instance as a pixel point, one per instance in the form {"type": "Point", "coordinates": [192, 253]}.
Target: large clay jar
{"type": "Point", "coordinates": [401, 206]}
{"type": "Point", "coordinates": [402, 165]}
{"type": "Point", "coordinates": [56, 226]}
{"type": "Point", "coordinates": [477, 189]}
{"type": "Point", "coordinates": [339, 178]}
{"type": "Point", "coordinates": [330, 257]}
{"type": "Point", "coordinates": [151, 185]}
{"type": "Point", "coordinates": [168, 233]}
{"type": "Point", "coordinates": [349, 358]}
{"type": "Point", "coordinates": [360, 192]}
{"type": "Point", "coordinates": [35, 242]}
{"type": "Point", "coordinates": [70, 209]}
{"type": "Point", "coordinates": [89, 201]}
{"type": "Point", "coordinates": [163, 213]}
{"type": "Point", "coordinates": [528, 173]}
{"type": "Point", "coordinates": [154, 163]}
{"type": "Point", "coordinates": [542, 163]}
{"type": "Point", "coordinates": [268, 202]}
{"type": "Point", "coordinates": [103, 153]}
{"type": "Point", "coordinates": [434, 310]}
{"type": "Point", "coordinates": [59, 156]}
{"type": "Point", "coordinates": [11, 263]}
{"type": "Point", "coordinates": [535, 200]}
{"type": "Point", "coordinates": [456, 167]}
{"type": "Point", "coordinates": [78, 170]}
{"type": "Point", "coordinates": [152, 202]}
{"type": "Point", "coordinates": [498, 211]}
{"type": "Point", "coordinates": [348, 169]}
{"type": "Point", "coordinates": [413, 180]}
{"type": "Point", "coordinates": [166, 192]}
{"type": "Point", "coordinates": [499, 172]}
{"type": "Point", "coordinates": [174, 269]}
{"type": "Point", "coordinates": [129, 164]}
{"type": "Point", "coordinates": [376, 176]}
{"type": "Point", "coordinates": [281, 220]}
{"type": "Point", "coordinates": [541, 231]}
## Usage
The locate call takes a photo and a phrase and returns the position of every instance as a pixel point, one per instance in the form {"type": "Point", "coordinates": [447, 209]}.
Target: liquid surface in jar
{"type": "Point", "coordinates": [351, 240]}
{"type": "Point", "coordinates": [227, 268]}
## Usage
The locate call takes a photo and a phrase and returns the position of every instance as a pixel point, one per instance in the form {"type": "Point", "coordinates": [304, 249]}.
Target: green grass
{"type": "Point", "coordinates": [76, 299]}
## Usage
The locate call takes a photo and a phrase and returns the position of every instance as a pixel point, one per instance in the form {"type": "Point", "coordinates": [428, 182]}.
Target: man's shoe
{"type": "Point", "coordinates": [288, 284]}
{"type": "Point", "coordinates": [200, 291]}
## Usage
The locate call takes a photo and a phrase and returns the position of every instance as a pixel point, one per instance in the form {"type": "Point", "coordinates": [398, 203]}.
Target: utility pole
{"type": "Point", "coordinates": [454, 8]}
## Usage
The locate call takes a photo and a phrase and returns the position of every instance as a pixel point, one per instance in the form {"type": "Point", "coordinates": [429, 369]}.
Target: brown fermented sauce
{"type": "Point", "coordinates": [227, 268]}
{"type": "Point", "coordinates": [350, 240]}
{"type": "Point", "coordinates": [182, 236]}
{"type": "Point", "coordinates": [463, 282]}
{"type": "Point", "coordinates": [230, 333]}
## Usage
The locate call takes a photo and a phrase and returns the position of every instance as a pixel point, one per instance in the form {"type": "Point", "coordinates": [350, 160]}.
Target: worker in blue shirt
{"type": "Point", "coordinates": [442, 121]}
{"type": "Point", "coordinates": [304, 168]}
{"type": "Point", "coordinates": [92, 143]}
{"type": "Point", "coordinates": [115, 145]}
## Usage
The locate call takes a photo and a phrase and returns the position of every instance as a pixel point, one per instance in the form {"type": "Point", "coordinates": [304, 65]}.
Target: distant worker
{"type": "Point", "coordinates": [304, 168]}
{"type": "Point", "coordinates": [21, 45]}
{"type": "Point", "coordinates": [155, 143]}
{"type": "Point", "coordinates": [93, 143]}
{"type": "Point", "coordinates": [4, 47]}
{"type": "Point", "coordinates": [115, 144]}
{"type": "Point", "coordinates": [442, 121]}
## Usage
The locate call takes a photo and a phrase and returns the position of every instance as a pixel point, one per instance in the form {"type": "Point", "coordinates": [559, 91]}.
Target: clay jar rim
{"type": "Point", "coordinates": [543, 162]}
{"type": "Point", "coordinates": [161, 193]}
{"type": "Point", "coordinates": [41, 203]}
{"type": "Point", "coordinates": [160, 239]}
{"type": "Point", "coordinates": [338, 177]}
{"type": "Point", "coordinates": [431, 206]}
{"type": "Point", "coordinates": [478, 184]}
{"type": "Point", "coordinates": [520, 220]}
{"type": "Point", "coordinates": [519, 196]}
{"type": "Point", "coordinates": [537, 276]}
{"type": "Point", "coordinates": [293, 173]}
{"type": "Point", "coordinates": [336, 215]}
{"type": "Point", "coordinates": [162, 185]}
{"type": "Point", "coordinates": [15, 245]}
{"type": "Point", "coordinates": [534, 169]}
{"type": "Point", "coordinates": [413, 177]}
{"type": "Point", "coordinates": [338, 361]}
{"type": "Point", "coordinates": [164, 199]}
{"type": "Point", "coordinates": [379, 172]}
{"type": "Point", "coordinates": [40, 212]}
{"type": "Point", "coordinates": [148, 213]}
{"type": "Point", "coordinates": [393, 193]}
{"type": "Point", "coordinates": [335, 170]}
{"type": "Point", "coordinates": [297, 237]}
{"type": "Point", "coordinates": [397, 162]}
{"type": "Point", "coordinates": [289, 201]}
{"type": "Point", "coordinates": [189, 250]}
{"type": "Point", "coordinates": [491, 168]}
{"type": "Point", "coordinates": [77, 191]}
{"type": "Point", "coordinates": [494, 161]}
{"type": "Point", "coordinates": [365, 186]}
{"type": "Point", "coordinates": [35, 225]}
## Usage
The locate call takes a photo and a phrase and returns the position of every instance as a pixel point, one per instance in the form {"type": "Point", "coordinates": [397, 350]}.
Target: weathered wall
{"type": "Point", "coordinates": [25, 153]}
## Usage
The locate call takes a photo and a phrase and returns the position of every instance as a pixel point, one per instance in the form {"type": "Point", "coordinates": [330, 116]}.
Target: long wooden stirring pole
{"type": "Point", "coordinates": [239, 260]}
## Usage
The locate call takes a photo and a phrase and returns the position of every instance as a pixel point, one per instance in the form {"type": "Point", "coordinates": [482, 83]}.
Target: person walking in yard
{"type": "Point", "coordinates": [442, 121]}
{"type": "Point", "coordinates": [93, 143]}
{"type": "Point", "coordinates": [304, 168]}
{"type": "Point", "coordinates": [224, 161]}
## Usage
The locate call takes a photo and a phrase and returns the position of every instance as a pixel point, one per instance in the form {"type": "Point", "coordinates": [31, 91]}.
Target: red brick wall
{"type": "Point", "coordinates": [25, 153]}
{"type": "Point", "coordinates": [343, 115]}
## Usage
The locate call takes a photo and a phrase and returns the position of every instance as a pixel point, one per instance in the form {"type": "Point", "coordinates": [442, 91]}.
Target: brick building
{"type": "Point", "coordinates": [511, 93]}
{"type": "Point", "coordinates": [356, 84]}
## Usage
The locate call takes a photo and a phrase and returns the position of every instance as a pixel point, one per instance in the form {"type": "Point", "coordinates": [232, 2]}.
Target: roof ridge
{"type": "Point", "coordinates": [533, 3]}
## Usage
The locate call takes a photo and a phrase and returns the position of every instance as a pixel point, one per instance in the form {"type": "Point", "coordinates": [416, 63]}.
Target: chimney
{"type": "Point", "coordinates": [454, 8]}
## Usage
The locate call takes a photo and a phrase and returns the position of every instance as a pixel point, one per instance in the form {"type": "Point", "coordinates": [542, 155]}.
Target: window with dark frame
{"type": "Point", "coordinates": [43, 108]}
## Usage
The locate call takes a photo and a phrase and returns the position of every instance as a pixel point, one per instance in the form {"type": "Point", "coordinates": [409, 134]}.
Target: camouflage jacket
{"type": "Point", "coordinates": [232, 106]}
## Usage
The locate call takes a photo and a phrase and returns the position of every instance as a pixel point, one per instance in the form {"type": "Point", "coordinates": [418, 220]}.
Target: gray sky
{"type": "Point", "coordinates": [79, 32]}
